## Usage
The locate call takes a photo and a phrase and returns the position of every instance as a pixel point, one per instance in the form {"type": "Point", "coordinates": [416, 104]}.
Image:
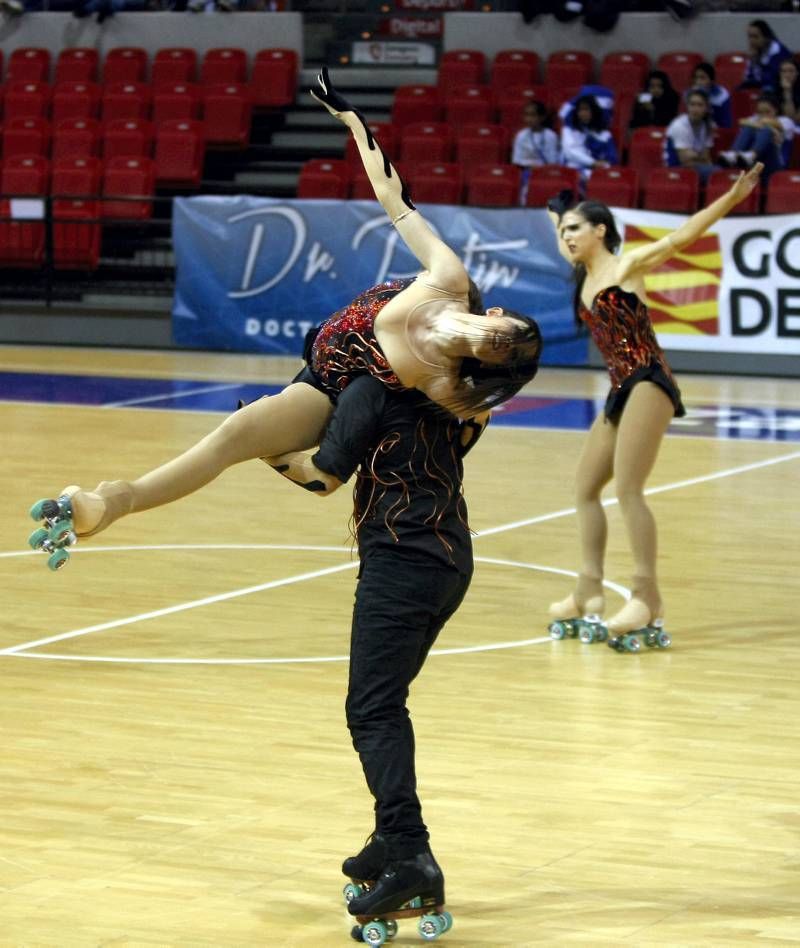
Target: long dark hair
{"type": "Point", "coordinates": [485, 385]}
{"type": "Point", "coordinates": [702, 94]}
{"type": "Point", "coordinates": [594, 212]}
{"type": "Point", "coordinates": [597, 123]}
{"type": "Point", "coordinates": [763, 28]}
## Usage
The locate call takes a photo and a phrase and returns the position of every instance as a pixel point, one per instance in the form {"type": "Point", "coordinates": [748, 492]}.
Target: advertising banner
{"type": "Point", "coordinates": [254, 274]}
{"type": "Point", "coordinates": [737, 289]}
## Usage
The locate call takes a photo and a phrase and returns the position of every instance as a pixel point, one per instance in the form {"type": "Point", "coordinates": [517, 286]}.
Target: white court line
{"type": "Point", "coordinates": [160, 398]}
{"type": "Point", "coordinates": [610, 501]}
{"type": "Point", "coordinates": [181, 607]}
{"type": "Point", "coordinates": [729, 472]}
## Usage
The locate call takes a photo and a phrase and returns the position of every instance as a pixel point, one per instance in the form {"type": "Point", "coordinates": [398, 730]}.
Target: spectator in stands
{"type": "Point", "coordinates": [789, 81]}
{"type": "Point", "coordinates": [534, 145]}
{"type": "Point", "coordinates": [767, 53]}
{"type": "Point", "coordinates": [105, 8]}
{"type": "Point", "coordinates": [719, 98]}
{"type": "Point", "coordinates": [658, 104]}
{"type": "Point", "coordinates": [765, 136]}
{"type": "Point", "coordinates": [586, 142]}
{"type": "Point", "coordinates": [690, 136]}
{"type": "Point", "coordinates": [12, 7]}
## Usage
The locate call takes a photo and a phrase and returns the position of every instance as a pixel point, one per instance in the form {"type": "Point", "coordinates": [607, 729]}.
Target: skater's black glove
{"type": "Point", "coordinates": [562, 202]}
{"type": "Point", "coordinates": [333, 101]}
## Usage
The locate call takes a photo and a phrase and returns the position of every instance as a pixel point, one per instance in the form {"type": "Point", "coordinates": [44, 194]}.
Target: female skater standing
{"type": "Point", "coordinates": [409, 334]}
{"type": "Point", "coordinates": [623, 442]}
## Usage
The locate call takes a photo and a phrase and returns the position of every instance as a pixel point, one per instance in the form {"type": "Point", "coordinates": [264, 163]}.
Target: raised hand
{"type": "Point", "coordinates": [333, 101]}
{"type": "Point", "coordinates": [743, 186]}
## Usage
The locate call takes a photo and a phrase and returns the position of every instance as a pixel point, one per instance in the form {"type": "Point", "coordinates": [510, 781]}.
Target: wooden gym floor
{"type": "Point", "coordinates": [176, 767]}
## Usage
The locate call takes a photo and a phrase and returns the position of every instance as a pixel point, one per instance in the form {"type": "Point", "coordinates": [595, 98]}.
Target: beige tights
{"type": "Point", "coordinates": [290, 421]}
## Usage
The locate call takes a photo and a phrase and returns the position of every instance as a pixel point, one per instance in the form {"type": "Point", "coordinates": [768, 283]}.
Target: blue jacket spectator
{"type": "Point", "coordinates": [586, 142]}
{"type": "Point", "coordinates": [767, 53]}
{"type": "Point", "coordinates": [719, 98]}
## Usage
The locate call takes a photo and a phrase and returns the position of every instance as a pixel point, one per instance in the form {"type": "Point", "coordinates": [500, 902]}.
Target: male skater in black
{"type": "Point", "coordinates": [416, 564]}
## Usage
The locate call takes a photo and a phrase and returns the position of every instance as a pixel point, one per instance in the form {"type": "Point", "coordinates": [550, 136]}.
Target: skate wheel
{"type": "Point", "coordinates": [355, 933]}
{"type": "Point", "coordinates": [557, 630]}
{"type": "Point", "coordinates": [44, 509]}
{"type": "Point", "coordinates": [391, 928]}
{"type": "Point", "coordinates": [447, 921]}
{"type": "Point", "coordinates": [374, 933]}
{"type": "Point", "coordinates": [664, 639]}
{"type": "Point", "coordinates": [39, 538]}
{"type": "Point", "coordinates": [586, 635]}
{"type": "Point", "coordinates": [351, 891]}
{"type": "Point", "coordinates": [62, 534]}
{"type": "Point", "coordinates": [632, 643]}
{"type": "Point", "coordinates": [58, 559]}
{"type": "Point", "coordinates": [431, 926]}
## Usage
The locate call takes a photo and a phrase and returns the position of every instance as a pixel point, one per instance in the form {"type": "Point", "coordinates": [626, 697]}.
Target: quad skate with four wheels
{"type": "Point", "coordinates": [57, 533]}
{"type": "Point", "coordinates": [407, 888]}
{"type": "Point", "coordinates": [650, 636]}
{"type": "Point", "coordinates": [579, 615]}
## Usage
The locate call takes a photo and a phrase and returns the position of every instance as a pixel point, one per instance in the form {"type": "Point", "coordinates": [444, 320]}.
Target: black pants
{"type": "Point", "coordinates": [401, 604]}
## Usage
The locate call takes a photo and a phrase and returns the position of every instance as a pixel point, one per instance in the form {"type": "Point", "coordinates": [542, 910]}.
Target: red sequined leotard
{"type": "Point", "coordinates": [621, 328]}
{"type": "Point", "coordinates": [345, 345]}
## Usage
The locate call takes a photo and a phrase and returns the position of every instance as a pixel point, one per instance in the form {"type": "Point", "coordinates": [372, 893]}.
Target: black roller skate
{"type": "Point", "coordinates": [406, 888]}
{"type": "Point", "coordinates": [58, 530]}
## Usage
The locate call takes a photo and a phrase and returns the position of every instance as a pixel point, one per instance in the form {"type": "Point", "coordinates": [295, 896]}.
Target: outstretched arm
{"type": "Point", "coordinates": [644, 259]}
{"type": "Point", "coordinates": [435, 256]}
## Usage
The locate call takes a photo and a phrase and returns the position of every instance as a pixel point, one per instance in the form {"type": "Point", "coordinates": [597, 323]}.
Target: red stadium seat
{"type": "Point", "coordinates": [426, 141]}
{"type": "Point", "coordinates": [730, 69]}
{"type": "Point", "coordinates": [76, 177]}
{"type": "Point", "coordinates": [493, 185]}
{"type": "Point", "coordinates": [78, 64]}
{"type": "Point", "coordinates": [783, 194]}
{"type": "Point", "coordinates": [75, 100]}
{"type": "Point", "coordinates": [126, 100]}
{"type": "Point", "coordinates": [567, 70]}
{"type": "Point", "coordinates": [224, 64]}
{"type": "Point", "coordinates": [514, 67]}
{"type": "Point", "coordinates": [481, 144]}
{"type": "Point", "coordinates": [22, 242]}
{"type": "Point", "coordinates": [462, 67]}
{"type": "Point", "coordinates": [76, 138]}
{"type": "Point", "coordinates": [129, 180]}
{"type": "Point", "coordinates": [646, 149]}
{"type": "Point", "coordinates": [174, 64]}
{"type": "Point", "coordinates": [176, 101]}
{"type": "Point", "coordinates": [615, 186]}
{"type": "Point", "coordinates": [324, 178]}
{"type": "Point", "coordinates": [274, 79]}
{"type": "Point", "coordinates": [179, 153]}
{"type": "Point", "coordinates": [76, 234]}
{"type": "Point", "coordinates": [720, 181]}
{"type": "Point", "coordinates": [624, 71]}
{"type": "Point", "coordinates": [679, 65]}
{"type": "Point", "coordinates": [29, 63]}
{"type": "Point", "coordinates": [436, 182]}
{"type": "Point", "coordinates": [743, 103]}
{"type": "Point", "coordinates": [384, 132]}
{"type": "Point", "coordinates": [360, 186]}
{"type": "Point", "coordinates": [127, 138]}
{"type": "Point", "coordinates": [125, 64]}
{"type": "Point", "coordinates": [227, 114]}
{"type": "Point", "coordinates": [468, 105]}
{"type": "Point", "coordinates": [26, 136]}
{"type": "Point", "coordinates": [672, 189]}
{"type": "Point", "coordinates": [416, 103]}
{"type": "Point", "coordinates": [511, 101]}
{"type": "Point", "coordinates": [25, 99]}
{"type": "Point", "coordinates": [548, 180]}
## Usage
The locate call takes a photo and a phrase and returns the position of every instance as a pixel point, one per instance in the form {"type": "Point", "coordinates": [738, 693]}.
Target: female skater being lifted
{"type": "Point", "coordinates": [416, 333]}
{"type": "Point", "coordinates": [623, 442]}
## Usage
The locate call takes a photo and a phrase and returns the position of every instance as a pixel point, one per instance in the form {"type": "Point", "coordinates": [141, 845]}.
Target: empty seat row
{"type": "Point", "coordinates": [272, 80]}
{"type": "Point", "coordinates": [564, 68]}
{"type": "Point", "coordinates": [226, 108]}
{"type": "Point", "coordinates": [502, 185]}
